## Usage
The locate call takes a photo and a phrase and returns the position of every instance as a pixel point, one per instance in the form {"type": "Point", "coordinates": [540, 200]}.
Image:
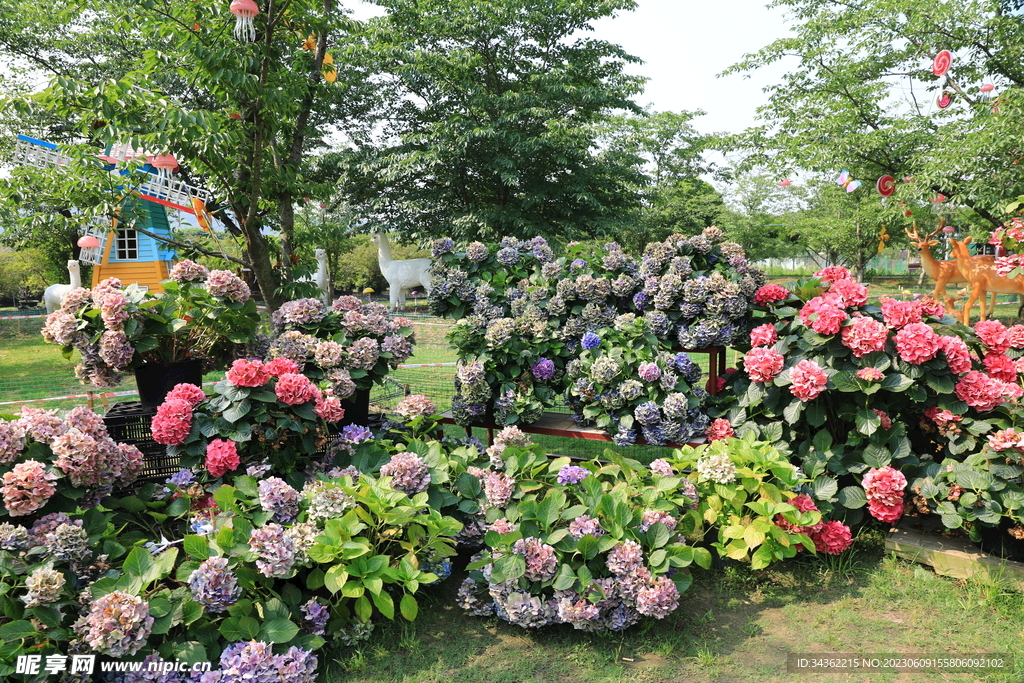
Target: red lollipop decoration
{"type": "Point", "coordinates": [942, 62]}
{"type": "Point", "coordinates": [944, 100]}
{"type": "Point", "coordinates": [886, 185]}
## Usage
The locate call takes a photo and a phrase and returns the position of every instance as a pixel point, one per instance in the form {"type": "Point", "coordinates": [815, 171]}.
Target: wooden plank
{"type": "Point", "coordinates": [919, 539]}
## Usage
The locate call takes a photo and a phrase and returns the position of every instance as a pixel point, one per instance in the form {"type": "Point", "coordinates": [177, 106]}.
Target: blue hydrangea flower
{"type": "Point", "coordinates": [590, 341]}
{"type": "Point", "coordinates": [572, 474]}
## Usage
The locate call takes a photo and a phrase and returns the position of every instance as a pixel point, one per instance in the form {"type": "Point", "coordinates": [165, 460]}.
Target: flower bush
{"type": "Point", "coordinates": [199, 314]}
{"type": "Point", "coordinates": [285, 423]}
{"type": "Point", "coordinates": [631, 388]}
{"type": "Point", "coordinates": [350, 344]}
{"type": "Point", "coordinates": [593, 544]}
{"type": "Point", "coordinates": [524, 315]}
{"type": "Point", "coordinates": [883, 410]}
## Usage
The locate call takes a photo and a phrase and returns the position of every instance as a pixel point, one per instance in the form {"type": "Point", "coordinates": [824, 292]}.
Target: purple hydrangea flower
{"type": "Point", "coordinates": [214, 586]}
{"type": "Point", "coordinates": [409, 473]}
{"type": "Point", "coordinates": [275, 548]}
{"type": "Point", "coordinates": [624, 558]}
{"type": "Point", "coordinates": [578, 264]}
{"type": "Point", "coordinates": [277, 496]}
{"type": "Point", "coordinates": [585, 525]}
{"type": "Point", "coordinates": [355, 434]}
{"type": "Point", "coordinates": [316, 614]}
{"type": "Point", "coordinates": [659, 599]}
{"type": "Point", "coordinates": [541, 562]}
{"type": "Point", "coordinates": [118, 624]}
{"type": "Point", "coordinates": [442, 246]}
{"type": "Point", "coordinates": [572, 474]}
{"type": "Point", "coordinates": [544, 369]}
{"type": "Point", "coordinates": [647, 413]}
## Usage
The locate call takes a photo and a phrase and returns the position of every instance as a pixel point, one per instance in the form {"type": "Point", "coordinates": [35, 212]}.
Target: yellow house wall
{"type": "Point", "coordinates": [148, 273]}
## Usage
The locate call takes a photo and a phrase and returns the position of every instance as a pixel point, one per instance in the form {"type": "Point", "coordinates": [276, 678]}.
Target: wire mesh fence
{"type": "Point", "coordinates": [34, 373]}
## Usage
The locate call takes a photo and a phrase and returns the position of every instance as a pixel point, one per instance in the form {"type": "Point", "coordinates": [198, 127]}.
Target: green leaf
{"type": "Point", "coordinates": [138, 563]}
{"type": "Point", "coordinates": [384, 604]}
{"type": "Point", "coordinates": [941, 384]}
{"type": "Point", "coordinates": [793, 410]}
{"type": "Point", "coordinates": [868, 421]}
{"type": "Point", "coordinates": [824, 488]}
{"type": "Point", "coordinates": [235, 629]}
{"type": "Point", "coordinates": [363, 609]}
{"type": "Point", "coordinates": [197, 547]}
{"type": "Point", "coordinates": [896, 382]}
{"type": "Point", "coordinates": [278, 630]}
{"type": "Point", "coordinates": [409, 607]}
{"type": "Point", "coordinates": [335, 578]}
{"type": "Point", "coordinates": [852, 497]}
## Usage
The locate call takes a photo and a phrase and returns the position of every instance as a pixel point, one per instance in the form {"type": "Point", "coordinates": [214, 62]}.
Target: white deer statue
{"type": "Point", "coordinates": [55, 294]}
{"type": "Point", "coordinates": [401, 274]}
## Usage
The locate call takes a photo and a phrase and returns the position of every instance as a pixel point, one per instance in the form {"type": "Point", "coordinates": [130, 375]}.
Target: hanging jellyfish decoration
{"type": "Point", "coordinates": [165, 164]}
{"type": "Point", "coordinates": [245, 12]}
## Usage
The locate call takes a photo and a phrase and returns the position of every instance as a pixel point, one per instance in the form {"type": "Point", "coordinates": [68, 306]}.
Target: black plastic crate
{"type": "Point", "coordinates": [131, 423]}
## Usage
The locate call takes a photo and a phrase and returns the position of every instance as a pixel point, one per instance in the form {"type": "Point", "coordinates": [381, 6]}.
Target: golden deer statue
{"type": "Point", "coordinates": [943, 272]}
{"type": "Point", "coordinates": [983, 280]}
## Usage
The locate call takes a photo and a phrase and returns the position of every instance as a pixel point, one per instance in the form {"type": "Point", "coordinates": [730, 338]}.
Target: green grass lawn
{"type": "Point", "coordinates": [732, 625]}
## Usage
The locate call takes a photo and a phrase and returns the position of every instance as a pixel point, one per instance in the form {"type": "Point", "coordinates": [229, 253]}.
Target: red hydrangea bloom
{"type": "Point", "coordinates": [172, 422]}
{"type": "Point", "coordinates": [248, 373]}
{"type": "Point", "coordinates": [293, 388]}
{"type": "Point", "coordinates": [720, 429]}
{"type": "Point", "coordinates": [850, 293]}
{"type": "Point", "coordinates": [884, 489]}
{"type": "Point", "coordinates": [870, 374]}
{"type": "Point", "coordinates": [930, 306]}
{"type": "Point", "coordinates": [832, 538]}
{"type": "Point", "coordinates": [763, 335]}
{"type": "Point", "coordinates": [864, 336]}
{"type": "Point", "coordinates": [957, 354]}
{"type": "Point", "coordinates": [762, 365]}
{"type": "Point", "coordinates": [1000, 366]}
{"type": "Point", "coordinates": [900, 313]}
{"type": "Point", "coordinates": [917, 343]}
{"type": "Point", "coordinates": [833, 274]}
{"type": "Point", "coordinates": [187, 392]}
{"type": "Point", "coordinates": [281, 366]}
{"type": "Point", "coordinates": [221, 457]}
{"type": "Point", "coordinates": [808, 379]}
{"type": "Point", "coordinates": [993, 334]}
{"type": "Point", "coordinates": [769, 294]}
{"type": "Point", "coordinates": [883, 417]}
{"type": "Point", "coordinates": [329, 408]}
{"type": "Point", "coordinates": [980, 391]}
{"type": "Point", "coordinates": [1015, 335]}
{"type": "Point", "coordinates": [803, 503]}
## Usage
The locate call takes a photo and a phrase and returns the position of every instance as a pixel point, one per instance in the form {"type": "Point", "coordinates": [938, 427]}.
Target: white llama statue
{"type": "Point", "coordinates": [54, 294]}
{"type": "Point", "coordinates": [401, 274]}
{"type": "Point", "coordinates": [320, 278]}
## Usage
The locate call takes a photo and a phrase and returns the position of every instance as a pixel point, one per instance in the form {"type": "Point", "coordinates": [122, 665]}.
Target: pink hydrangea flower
{"type": "Point", "coordinates": [980, 391]}
{"type": "Point", "coordinates": [764, 335]}
{"type": "Point", "coordinates": [941, 417]}
{"type": "Point", "coordinates": [720, 429]}
{"type": "Point", "coordinates": [329, 408]}
{"type": "Point", "coordinates": [917, 343]}
{"type": "Point", "coordinates": [659, 599]}
{"type": "Point", "coordinates": [541, 562]}
{"type": "Point", "coordinates": [832, 538]}
{"type": "Point", "coordinates": [625, 557]}
{"type": "Point", "coordinates": [27, 487]}
{"type": "Point", "coordinates": [294, 388]}
{"type": "Point", "coordinates": [957, 354]}
{"type": "Point", "coordinates": [172, 422]}
{"type": "Point", "coordinates": [248, 373]}
{"type": "Point", "coordinates": [190, 393]}
{"type": "Point", "coordinates": [829, 319]}
{"type": "Point", "coordinates": [864, 335]}
{"type": "Point", "coordinates": [12, 441]}
{"type": "Point", "coordinates": [409, 473]}
{"type": "Point", "coordinates": [1015, 335]}
{"type": "Point", "coordinates": [415, 405]}
{"type": "Point", "coordinates": [808, 379]}
{"type": "Point", "coordinates": [762, 365]}
{"type": "Point", "coordinates": [993, 334]}
{"type": "Point", "coordinates": [221, 457]}
{"type": "Point", "coordinates": [870, 374]}
{"type": "Point", "coordinates": [1006, 439]}
{"type": "Point", "coordinates": [900, 313]}
{"type": "Point", "coordinates": [884, 418]}
{"type": "Point", "coordinates": [188, 271]}
{"type": "Point", "coordinates": [227, 284]}
{"type": "Point", "coordinates": [1000, 366]}
{"type": "Point", "coordinates": [851, 294]}
{"type": "Point", "coordinates": [930, 306]}
{"type": "Point", "coordinates": [833, 274]}
{"type": "Point", "coordinates": [281, 366]}
{"type": "Point", "coordinates": [652, 517]}
{"type": "Point", "coordinates": [803, 503]}
{"type": "Point", "coordinates": [661, 467]}
{"type": "Point", "coordinates": [770, 294]}
{"type": "Point", "coordinates": [884, 489]}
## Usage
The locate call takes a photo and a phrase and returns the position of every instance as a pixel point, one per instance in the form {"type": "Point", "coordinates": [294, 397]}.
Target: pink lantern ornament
{"type": "Point", "coordinates": [786, 182]}
{"type": "Point", "coordinates": [948, 229]}
{"type": "Point", "coordinates": [88, 242]}
{"type": "Point", "coordinates": [987, 87]}
{"type": "Point", "coordinates": [245, 12]}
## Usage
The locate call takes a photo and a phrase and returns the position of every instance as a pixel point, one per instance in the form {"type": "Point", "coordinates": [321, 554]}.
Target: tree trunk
{"type": "Point", "coordinates": [262, 268]}
{"type": "Point", "coordinates": [287, 213]}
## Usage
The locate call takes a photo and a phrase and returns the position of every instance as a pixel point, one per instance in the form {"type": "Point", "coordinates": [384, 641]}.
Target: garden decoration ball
{"type": "Point", "coordinates": [942, 62]}
{"type": "Point", "coordinates": [886, 185]}
{"type": "Point", "coordinates": [245, 12]}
